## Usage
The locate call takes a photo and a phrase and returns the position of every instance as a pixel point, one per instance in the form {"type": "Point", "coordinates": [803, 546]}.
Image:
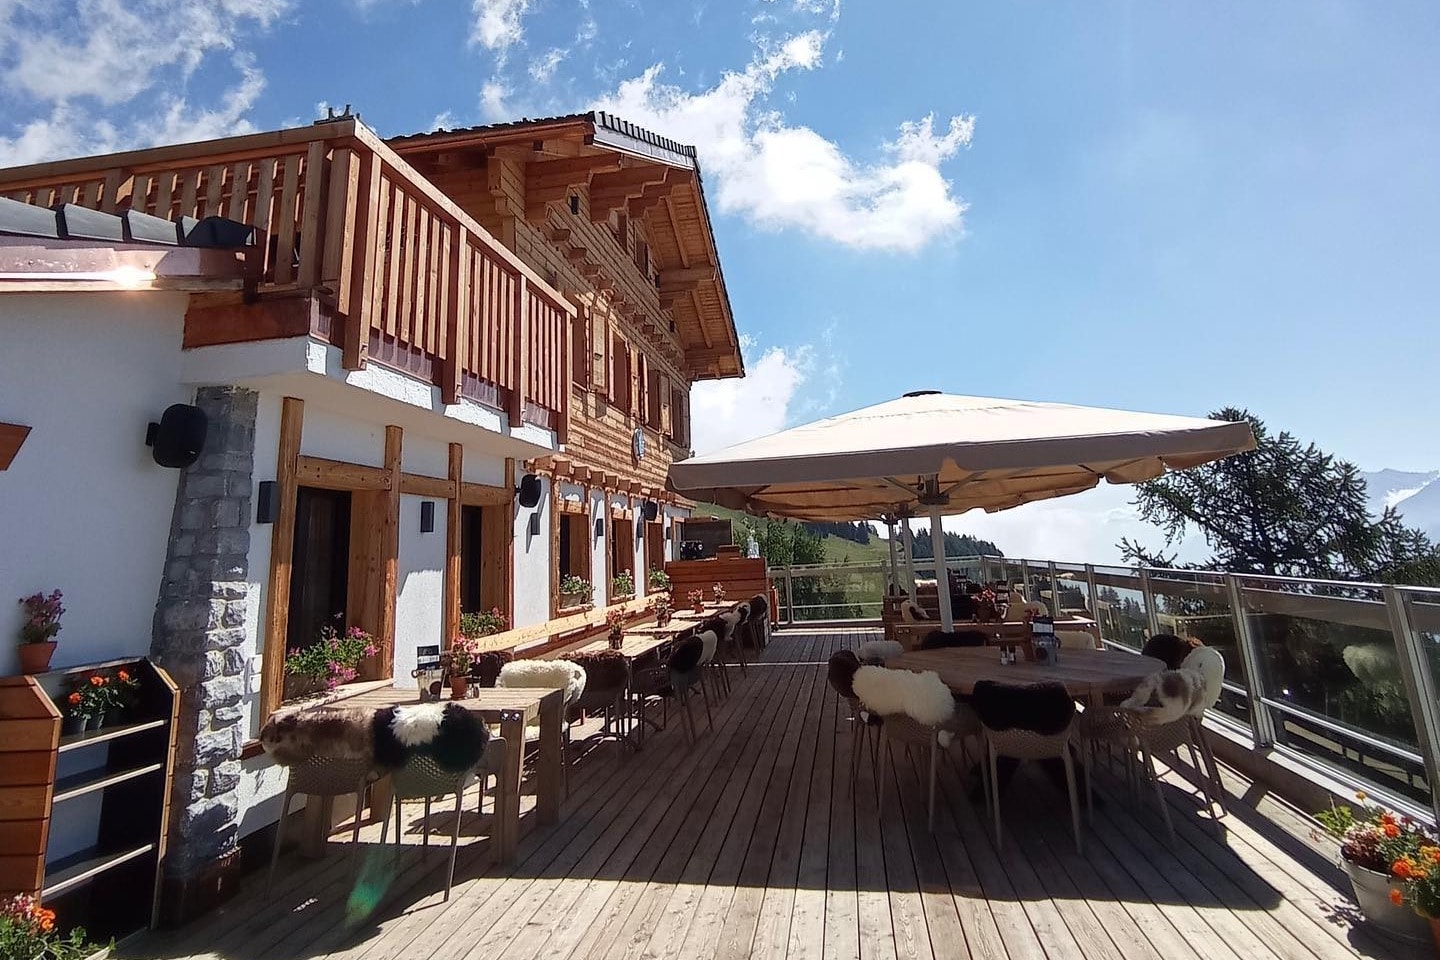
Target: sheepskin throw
{"type": "Point", "coordinates": [923, 697]}
{"type": "Point", "coordinates": [1165, 697]}
{"type": "Point", "coordinates": [911, 612]}
{"type": "Point", "coordinates": [1043, 708]}
{"type": "Point", "coordinates": [306, 734]}
{"type": "Point", "coordinates": [487, 666]}
{"type": "Point", "coordinates": [759, 607]}
{"type": "Point", "coordinates": [730, 619]}
{"type": "Point", "coordinates": [879, 651]}
{"type": "Point", "coordinates": [710, 642]}
{"type": "Point", "coordinates": [841, 672]}
{"type": "Point", "coordinates": [554, 674]}
{"type": "Point", "coordinates": [1169, 648]}
{"type": "Point", "coordinates": [448, 732]}
{"type": "Point", "coordinates": [1209, 664]}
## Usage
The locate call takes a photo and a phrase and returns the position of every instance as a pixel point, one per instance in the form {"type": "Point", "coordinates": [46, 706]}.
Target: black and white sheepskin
{"type": "Point", "coordinates": [1043, 708]}
{"type": "Point", "coordinates": [452, 735]}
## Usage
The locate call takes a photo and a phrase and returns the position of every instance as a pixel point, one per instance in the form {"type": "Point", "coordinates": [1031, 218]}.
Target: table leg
{"type": "Point", "coordinates": [316, 826]}
{"type": "Point", "coordinates": [507, 796]}
{"type": "Point", "coordinates": [382, 799]}
{"type": "Point", "coordinates": [552, 758]}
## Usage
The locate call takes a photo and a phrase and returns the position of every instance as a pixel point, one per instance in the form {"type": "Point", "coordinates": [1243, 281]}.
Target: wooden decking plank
{"type": "Point", "coordinates": [563, 918]}
{"type": "Point", "coordinates": [877, 930]}
{"type": "Point", "coordinates": [805, 929]}
{"type": "Point", "coordinates": [632, 922]}
{"type": "Point", "coordinates": [973, 924]}
{"type": "Point", "coordinates": [751, 827]}
{"type": "Point", "coordinates": [908, 923]}
{"type": "Point", "coordinates": [842, 905]}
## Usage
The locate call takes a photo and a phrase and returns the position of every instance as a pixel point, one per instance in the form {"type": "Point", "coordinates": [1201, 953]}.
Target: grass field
{"type": "Point", "coordinates": [837, 549]}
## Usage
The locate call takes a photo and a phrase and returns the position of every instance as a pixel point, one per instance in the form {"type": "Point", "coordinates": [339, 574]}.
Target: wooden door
{"type": "Point", "coordinates": [319, 572]}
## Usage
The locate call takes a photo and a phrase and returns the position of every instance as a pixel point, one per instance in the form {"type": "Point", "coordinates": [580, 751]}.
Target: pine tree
{"type": "Point", "coordinates": [1286, 509]}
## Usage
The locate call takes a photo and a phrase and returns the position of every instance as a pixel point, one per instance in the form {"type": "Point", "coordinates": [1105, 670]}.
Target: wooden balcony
{"type": "Point", "coordinates": [397, 271]}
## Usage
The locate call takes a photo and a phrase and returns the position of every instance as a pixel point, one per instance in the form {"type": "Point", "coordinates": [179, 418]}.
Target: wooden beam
{"type": "Point", "coordinates": [390, 548]}
{"type": "Point", "coordinates": [686, 277]}
{"type": "Point", "coordinates": [484, 495]}
{"type": "Point", "coordinates": [611, 190]}
{"type": "Point", "coordinates": [416, 485]}
{"type": "Point", "coordinates": [12, 435]}
{"type": "Point", "coordinates": [573, 170]}
{"type": "Point", "coordinates": [452, 543]}
{"type": "Point", "coordinates": [338, 475]}
{"type": "Point", "coordinates": [282, 549]}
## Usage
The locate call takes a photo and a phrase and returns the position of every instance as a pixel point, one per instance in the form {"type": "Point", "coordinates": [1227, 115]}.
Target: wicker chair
{"type": "Point", "coordinates": [899, 728]}
{"type": "Point", "coordinates": [758, 622]}
{"type": "Point", "coordinates": [323, 777]}
{"type": "Point", "coordinates": [1005, 713]}
{"type": "Point", "coordinates": [607, 681]}
{"type": "Point", "coordinates": [421, 778]}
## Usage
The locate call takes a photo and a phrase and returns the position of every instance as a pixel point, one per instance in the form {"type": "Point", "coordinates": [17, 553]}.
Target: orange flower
{"type": "Point", "coordinates": [1391, 830]}
{"type": "Point", "coordinates": [1396, 897]}
{"type": "Point", "coordinates": [47, 920]}
{"type": "Point", "coordinates": [1387, 817]}
{"type": "Point", "coordinates": [74, 699]}
{"type": "Point", "coordinates": [124, 676]}
{"type": "Point", "coordinates": [1404, 868]}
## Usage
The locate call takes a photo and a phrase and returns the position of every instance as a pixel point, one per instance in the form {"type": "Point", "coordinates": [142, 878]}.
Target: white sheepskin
{"type": "Point", "coordinates": [922, 697]}
{"type": "Point", "coordinates": [1166, 696]}
{"type": "Point", "coordinates": [911, 612]}
{"type": "Point", "coordinates": [708, 643]}
{"type": "Point", "coordinates": [731, 619]}
{"type": "Point", "coordinates": [1076, 639]}
{"type": "Point", "coordinates": [1019, 606]}
{"type": "Point", "coordinates": [743, 610]}
{"type": "Point", "coordinates": [417, 725]}
{"type": "Point", "coordinates": [554, 674]}
{"type": "Point", "coordinates": [1209, 664]}
{"type": "Point", "coordinates": [879, 651]}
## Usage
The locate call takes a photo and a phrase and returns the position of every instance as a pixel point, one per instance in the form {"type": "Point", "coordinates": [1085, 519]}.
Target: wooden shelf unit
{"type": "Point", "coordinates": [115, 785]}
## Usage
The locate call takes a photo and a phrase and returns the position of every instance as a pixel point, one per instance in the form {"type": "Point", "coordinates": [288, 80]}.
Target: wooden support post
{"type": "Point", "coordinates": [282, 548]}
{"type": "Point", "coordinates": [390, 549]}
{"type": "Point", "coordinates": [507, 569]}
{"type": "Point", "coordinates": [452, 544]}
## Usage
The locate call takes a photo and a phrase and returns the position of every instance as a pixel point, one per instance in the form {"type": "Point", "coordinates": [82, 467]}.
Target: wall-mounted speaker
{"type": "Point", "coordinates": [599, 527]}
{"type": "Point", "coordinates": [534, 525]}
{"type": "Point", "coordinates": [651, 510]}
{"type": "Point", "coordinates": [427, 516]}
{"type": "Point", "coordinates": [178, 439]}
{"type": "Point", "coordinates": [528, 492]}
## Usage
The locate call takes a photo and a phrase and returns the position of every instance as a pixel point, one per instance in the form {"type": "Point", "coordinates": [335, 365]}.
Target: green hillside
{"type": "Point", "coordinates": [837, 549]}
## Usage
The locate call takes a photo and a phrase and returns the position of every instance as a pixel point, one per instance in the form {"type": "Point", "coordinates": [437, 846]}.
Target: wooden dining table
{"type": "Point", "coordinates": [513, 708]}
{"type": "Point", "coordinates": [1088, 675]}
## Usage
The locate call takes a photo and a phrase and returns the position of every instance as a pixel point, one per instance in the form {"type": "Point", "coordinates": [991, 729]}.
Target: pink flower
{"type": "Point", "coordinates": [371, 649]}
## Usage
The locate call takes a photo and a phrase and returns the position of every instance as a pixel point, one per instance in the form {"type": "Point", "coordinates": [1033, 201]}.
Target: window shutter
{"type": "Point", "coordinates": [580, 350]}
{"type": "Point", "coordinates": [663, 422]}
{"type": "Point", "coordinates": [598, 349]}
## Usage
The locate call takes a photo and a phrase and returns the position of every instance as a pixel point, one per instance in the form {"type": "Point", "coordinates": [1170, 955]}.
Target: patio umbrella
{"type": "Point", "coordinates": [945, 454]}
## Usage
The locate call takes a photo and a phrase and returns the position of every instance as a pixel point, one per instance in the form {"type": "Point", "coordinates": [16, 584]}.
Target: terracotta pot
{"type": "Point", "coordinates": [35, 657]}
{"type": "Point", "coordinates": [1372, 893]}
{"type": "Point", "coordinates": [459, 686]}
{"type": "Point", "coordinates": [699, 608]}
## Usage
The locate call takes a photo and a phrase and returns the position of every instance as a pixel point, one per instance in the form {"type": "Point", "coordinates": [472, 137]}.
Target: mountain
{"type": "Point", "coordinates": [1415, 496]}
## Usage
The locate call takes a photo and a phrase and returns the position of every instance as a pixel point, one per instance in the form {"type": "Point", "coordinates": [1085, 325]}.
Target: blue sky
{"type": "Point", "coordinates": [1159, 206]}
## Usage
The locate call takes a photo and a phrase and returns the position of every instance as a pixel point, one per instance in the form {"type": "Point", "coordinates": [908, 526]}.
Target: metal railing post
{"type": "Point", "coordinates": [789, 597]}
{"type": "Point", "coordinates": [1152, 615]}
{"type": "Point", "coordinates": [1093, 590]}
{"type": "Point", "coordinates": [1025, 577]}
{"type": "Point", "coordinates": [1054, 589]}
{"type": "Point", "coordinates": [1420, 687]}
{"type": "Point", "coordinates": [1262, 724]}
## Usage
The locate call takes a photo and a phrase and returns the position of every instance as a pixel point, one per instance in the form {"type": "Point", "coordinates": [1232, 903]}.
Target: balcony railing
{"type": "Point", "coordinates": [1339, 677]}
{"type": "Point", "coordinates": [406, 275]}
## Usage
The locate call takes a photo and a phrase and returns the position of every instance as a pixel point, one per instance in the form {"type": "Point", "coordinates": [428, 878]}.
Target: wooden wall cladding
{"type": "Point", "coordinates": [741, 577]}
{"type": "Point", "coordinates": [12, 435]}
{"type": "Point", "coordinates": [31, 726]}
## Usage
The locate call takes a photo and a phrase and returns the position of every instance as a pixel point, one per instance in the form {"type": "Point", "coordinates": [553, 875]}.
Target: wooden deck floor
{"type": "Point", "coordinates": [755, 843]}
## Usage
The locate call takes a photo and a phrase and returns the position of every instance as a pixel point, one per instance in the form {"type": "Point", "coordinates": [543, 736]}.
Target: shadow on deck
{"type": "Point", "coordinates": [757, 843]}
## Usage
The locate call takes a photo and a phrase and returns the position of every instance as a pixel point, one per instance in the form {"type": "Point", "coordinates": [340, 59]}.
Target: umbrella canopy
{"type": "Point", "coordinates": [946, 454]}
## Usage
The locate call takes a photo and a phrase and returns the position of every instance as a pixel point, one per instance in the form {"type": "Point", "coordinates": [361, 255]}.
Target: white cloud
{"type": "Point", "coordinates": [497, 23]}
{"type": "Point", "coordinates": [444, 120]}
{"type": "Point", "coordinates": [725, 412]}
{"type": "Point", "coordinates": [493, 96]}
{"type": "Point", "coordinates": [112, 50]}
{"type": "Point", "coordinates": [781, 176]}
{"type": "Point", "coordinates": [543, 67]}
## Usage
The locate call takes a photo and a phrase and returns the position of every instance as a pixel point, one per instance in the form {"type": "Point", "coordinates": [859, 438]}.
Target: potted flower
{"type": "Point", "coordinates": [622, 585]}
{"type": "Point", "coordinates": [38, 629]}
{"type": "Point", "coordinates": [28, 930]}
{"type": "Point", "coordinates": [575, 592]}
{"type": "Point", "coordinates": [1372, 840]}
{"type": "Point", "coordinates": [331, 660]}
{"type": "Point", "coordinates": [126, 687]}
{"type": "Point", "coordinates": [697, 600]}
{"type": "Point", "coordinates": [483, 623]}
{"type": "Point", "coordinates": [663, 611]}
{"type": "Point", "coordinates": [657, 580]}
{"type": "Point", "coordinates": [615, 620]}
{"type": "Point", "coordinates": [77, 713]}
{"type": "Point", "coordinates": [718, 592]}
{"type": "Point", "coordinates": [1419, 874]}
{"type": "Point", "coordinates": [463, 653]}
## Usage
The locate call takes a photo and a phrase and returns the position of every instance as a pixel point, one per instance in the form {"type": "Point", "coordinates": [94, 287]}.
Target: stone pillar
{"type": "Point", "coordinates": [200, 638]}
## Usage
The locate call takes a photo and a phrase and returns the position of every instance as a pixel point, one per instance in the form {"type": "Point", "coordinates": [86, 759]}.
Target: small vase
{"type": "Point", "coordinates": [699, 608]}
{"type": "Point", "coordinates": [35, 657]}
{"type": "Point", "coordinates": [111, 718]}
{"type": "Point", "coordinates": [459, 687]}
{"type": "Point", "coordinates": [617, 640]}
{"type": "Point", "coordinates": [71, 725]}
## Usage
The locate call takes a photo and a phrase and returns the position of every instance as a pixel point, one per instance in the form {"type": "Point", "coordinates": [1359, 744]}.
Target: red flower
{"type": "Point", "coordinates": [1396, 897]}
{"type": "Point", "coordinates": [97, 681]}
{"type": "Point", "coordinates": [1391, 830]}
{"type": "Point", "coordinates": [124, 676]}
{"type": "Point", "coordinates": [74, 699]}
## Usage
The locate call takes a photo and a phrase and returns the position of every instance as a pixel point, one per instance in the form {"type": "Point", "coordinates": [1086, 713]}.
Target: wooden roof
{"type": "Point", "coordinates": [656, 179]}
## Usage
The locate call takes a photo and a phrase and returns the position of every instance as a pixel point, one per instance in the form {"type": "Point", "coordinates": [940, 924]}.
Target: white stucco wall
{"type": "Point", "coordinates": [84, 508]}
{"type": "Point", "coordinates": [532, 562]}
{"type": "Point", "coordinates": [419, 586]}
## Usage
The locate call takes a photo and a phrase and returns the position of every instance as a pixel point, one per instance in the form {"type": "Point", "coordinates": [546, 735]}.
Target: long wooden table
{"type": "Point", "coordinates": [513, 708]}
{"type": "Point", "coordinates": [1088, 675]}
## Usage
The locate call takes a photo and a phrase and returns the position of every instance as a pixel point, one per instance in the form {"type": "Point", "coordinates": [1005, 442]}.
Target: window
{"type": "Point", "coordinates": [319, 569]}
{"type": "Point", "coordinates": [572, 550]}
{"type": "Point", "coordinates": [622, 549]}
{"type": "Point", "coordinates": [654, 546]}
{"type": "Point", "coordinates": [622, 388]}
{"type": "Point", "coordinates": [483, 585]}
{"type": "Point", "coordinates": [679, 417]}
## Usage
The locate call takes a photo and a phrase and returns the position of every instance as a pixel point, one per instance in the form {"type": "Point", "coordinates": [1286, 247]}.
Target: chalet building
{"type": "Point", "coordinates": [439, 373]}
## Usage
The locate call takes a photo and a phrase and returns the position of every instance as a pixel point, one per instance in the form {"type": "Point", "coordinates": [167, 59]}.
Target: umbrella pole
{"type": "Point", "coordinates": [894, 572]}
{"type": "Point", "coordinates": [942, 571]}
{"type": "Point", "coordinates": [908, 545]}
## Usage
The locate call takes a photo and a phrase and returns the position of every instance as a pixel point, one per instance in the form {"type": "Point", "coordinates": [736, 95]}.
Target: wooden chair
{"type": "Point", "coordinates": [675, 680]}
{"type": "Point", "coordinates": [422, 778]}
{"type": "Point", "coordinates": [840, 674]}
{"type": "Point", "coordinates": [323, 777]}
